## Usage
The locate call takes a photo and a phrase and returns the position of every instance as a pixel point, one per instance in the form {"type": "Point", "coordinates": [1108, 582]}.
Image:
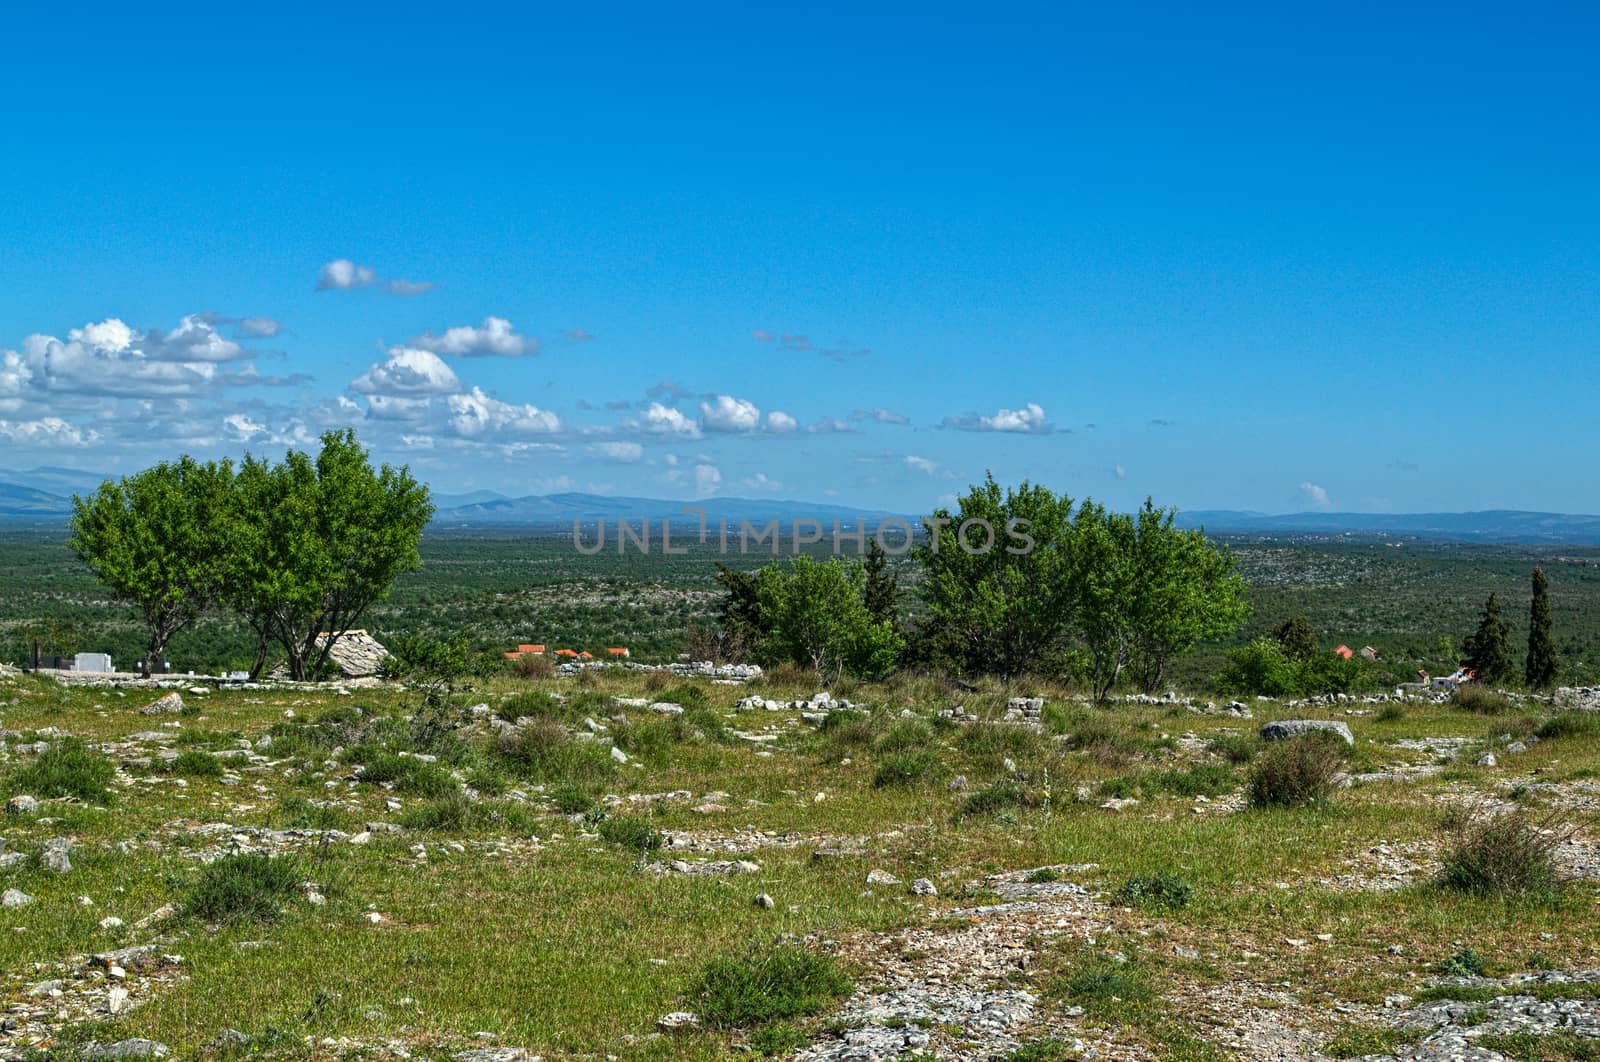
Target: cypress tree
{"type": "Point", "coordinates": [882, 586]}
{"type": "Point", "coordinates": [1539, 670]}
{"type": "Point", "coordinates": [1488, 648]}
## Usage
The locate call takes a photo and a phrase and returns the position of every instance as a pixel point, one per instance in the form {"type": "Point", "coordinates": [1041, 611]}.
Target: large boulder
{"type": "Point", "coordinates": [1284, 729]}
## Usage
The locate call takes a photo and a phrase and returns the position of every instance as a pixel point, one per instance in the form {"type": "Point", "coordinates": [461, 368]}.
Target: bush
{"type": "Point", "coordinates": [636, 835]}
{"type": "Point", "coordinates": [1047, 1050]}
{"type": "Point", "coordinates": [1482, 700]}
{"type": "Point", "coordinates": [906, 768]}
{"type": "Point", "coordinates": [1001, 796]}
{"type": "Point", "coordinates": [1297, 772]}
{"type": "Point", "coordinates": [239, 888]}
{"type": "Point", "coordinates": [686, 694]}
{"type": "Point", "coordinates": [1391, 712]}
{"type": "Point", "coordinates": [408, 774]}
{"type": "Point", "coordinates": [1507, 855]}
{"type": "Point", "coordinates": [457, 814]}
{"type": "Point", "coordinates": [537, 704]}
{"type": "Point", "coordinates": [533, 666]}
{"type": "Point", "coordinates": [1163, 891]}
{"type": "Point", "coordinates": [1464, 963]}
{"type": "Point", "coordinates": [1201, 779]}
{"type": "Point", "coordinates": [196, 764]}
{"type": "Point", "coordinates": [777, 983]}
{"type": "Point", "coordinates": [570, 800]}
{"type": "Point", "coordinates": [906, 735]}
{"type": "Point", "coordinates": [780, 1038]}
{"type": "Point", "coordinates": [1236, 748]}
{"type": "Point", "coordinates": [543, 751]}
{"type": "Point", "coordinates": [1569, 724]}
{"type": "Point", "coordinates": [68, 768]}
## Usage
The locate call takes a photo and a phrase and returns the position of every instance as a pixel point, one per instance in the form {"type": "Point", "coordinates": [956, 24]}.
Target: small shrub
{"type": "Point", "coordinates": [68, 768]}
{"type": "Point", "coordinates": [1361, 1041]}
{"type": "Point", "coordinates": [1236, 748]}
{"type": "Point", "coordinates": [1047, 1050]}
{"type": "Point", "coordinates": [1464, 963]}
{"type": "Point", "coordinates": [1481, 699]}
{"type": "Point", "coordinates": [1043, 876]}
{"type": "Point", "coordinates": [1569, 724]}
{"type": "Point", "coordinates": [570, 800]}
{"type": "Point", "coordinates": [533, 666]}
{"type": "Point", "coordinates": [543, 751]}
{"type": "Point", "coordinates": [686, 694]}
{"type": "Point", "coordinates": [1297, 772]}
{"type": "Point", "coordinates": [1508, 855]}
{"type": "Point", "coordinates": [486, 780]}
{"type": "Point", "coordinates": [1390, 712]}
{"type": "Point", "coordinates": [993, 799]}
{"type": "Point", "coordinates": [240, 888]}
{"type": "Point", "coordinates": [1103, 982]}
{"type": "Point", "coordinates": [906, 735]}
{"type": "Point", "coordinates": [298, 813]}
{"type": "Point", "coordinates": [1201, 779]}
{"type": "Point", "coordinates": [636, 835]}
{"type": "Point", "coordinates": [453, 814]}
{"type": "Point", "coordinates": [1163, 891]}
{"type": "Point", "coordinates": [906, 768]}
{"type": "Point", "coordinates": [776, 983]}
{"type": "Point", "coordinates": [196, 764]}
{"type": "Point", "coordinates": [408, 774]}
{"type": "Point", "coordinates": [538, 704]}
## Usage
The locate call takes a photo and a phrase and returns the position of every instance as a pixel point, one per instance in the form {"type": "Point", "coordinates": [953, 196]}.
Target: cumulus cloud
{"type": "Point", "coordinates": [921, 464]}
{"type": "Point", "coordinates": [727, 413]}
{"type": "Point", "coordinates": [707, 478]}
{"type": "Point", "coordinates": [494, 338]}
{"type": "Point", "coordinates": [475, 414]}
{"type": "Point", "coordinates": [657, 419]}
{"type": "Point", "coordinates": [49, 432]}
{"type": "Point", "coordinates": [1029, 420]}
{"type": "Point", "coordinates": [260, 328]}
{"type": "Point", "coordinates": [109, 359]}
{"type": "Point", "coordinates": [408, 372]}
{"type": "Point", "coordinates": [620, 452]}
{"type": "Point", "coordinates": [241, 427]}
{"type": "Point", "coordinates": [342, 274]}
{"type": "Point", "coordinates": [1313, 495]}
{"type": "Point", "coordinates": [760, 481]}
{"type": "Point", "coordinates": [780, 423]}
{"type": "Point", "coordinates": [879, 416]}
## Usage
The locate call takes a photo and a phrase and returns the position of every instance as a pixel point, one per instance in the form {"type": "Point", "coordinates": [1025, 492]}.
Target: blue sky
{"type": "Point", "coordinates": [1339, 257]}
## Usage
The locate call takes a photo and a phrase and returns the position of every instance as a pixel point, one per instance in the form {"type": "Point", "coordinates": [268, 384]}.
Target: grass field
{"type": "Point", "coordinates": [1099, 881]}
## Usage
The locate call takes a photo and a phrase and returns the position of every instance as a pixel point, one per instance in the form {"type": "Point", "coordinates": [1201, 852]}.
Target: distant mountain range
{"type": "Point", "coordinates": [41, 497]}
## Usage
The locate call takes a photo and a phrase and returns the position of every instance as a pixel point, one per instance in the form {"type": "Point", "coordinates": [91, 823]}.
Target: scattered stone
{"type": "Point", "coordinates": [172, 702]}
{"type": "Point", "coordinates": [15, 898]}
{"type": "Point", "coordinates": [765, 902]}
{"type": "Point", "coordinates": [54, 856]}
{"type": "Point", "coordinates": [22, 805]}
{"type": "Point", "coordinates": [135, 1048]}
{"type": "Point", "coordinates": [881, 877]}
{"type": "Point", "coordinates": [1487, 760]}
{"type": "Point", "coordinates": [618, 755]}
{"type": "Point", "coordinates": [923, 887]}
{"type": "Point", "coordinates": [1284, 729]}
{"type": "Point", "coordinates": [678, 1019]}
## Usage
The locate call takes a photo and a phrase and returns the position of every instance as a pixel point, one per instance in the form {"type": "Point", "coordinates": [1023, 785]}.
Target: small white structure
{"type": "Point", "coordinates": [99, 663]}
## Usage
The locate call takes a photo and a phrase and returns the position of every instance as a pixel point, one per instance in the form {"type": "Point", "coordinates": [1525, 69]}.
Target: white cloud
{"type": "Point", "coordinates": [880, 416]}
{"type": "Point", "coordinates": [921, 464]}
{"type": "Point", "coordinates": [658, 419]}
{"type": "Point", "coordinates": [46, 432]}
{"type": "Point", "coordinates": [727, 413]}
{"type": "Point", "coordinates": [760, 481]}
{"type": "Point", "coordinates": [110, 359]}
{"type": "Point", "coordinates": [475, 414]}
{"type": "Point", "coordinates": [620, 452]}
{"type": "Point", "coordinates": [260, 328]}
{"type": "Point", "coordinates": [1029, 420]}
{"type": "Point", "coordinates": [707, 478]}
{"type": "Point", "coordinates": [408, 372]}
{"type": "Point", "coordinates": [241, 427]}
{"type": "Point", "coordinates": [342, 274]}
{"type": "Point", "coordinates": [780, 423]}
{"type": "Point", "coordinates": [1313, 495]}
{"type": "Point", "coordinates": [831, 426]}
{"type": "Point", "coordinates": [495, 337]}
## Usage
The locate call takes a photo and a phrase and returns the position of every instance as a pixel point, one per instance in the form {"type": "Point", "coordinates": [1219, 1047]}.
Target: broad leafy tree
{"type": "Point", "coordinates": [1004, 606]}
{"type": "Point", "coordinates": [1296, 637]}
{"type": "Point", "coordinates": [319, 541]}
{"type": "Point", "coordinates": [882, 586]}
{"type": "Point", "coordinates": [1539, 669]}
{"type": "Point", "coordinates": [157, 539]}
{"type": "Point", "coordinates": [1488, 649]}
{"type": "Point", "coordinates": [818, 619]}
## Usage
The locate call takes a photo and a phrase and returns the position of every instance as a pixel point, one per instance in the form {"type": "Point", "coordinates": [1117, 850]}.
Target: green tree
{"type": "Point", "coordinates": [157, 539]}
{"type": "Point", "coordinates": [1185, 590]}
{"type": "Point", "coordinates": [743, 629]}
{"type": "Point", "coordinates": [1539, 669]}
{"type": "Point", "coordinates": [818, 619]}
{"type": "Point", "coordinates": [882, 586]}
{"type": "Point", "coordinates": [1104, 581]}
{"type": "Point", "coordinates": [1005, 605]}
{"type": "Point", "coordinates": [1488, 649]}
{"type": "Point", "coordinates": [1297, 638]}
{"type": "Point", "coordinates": [317, 542]}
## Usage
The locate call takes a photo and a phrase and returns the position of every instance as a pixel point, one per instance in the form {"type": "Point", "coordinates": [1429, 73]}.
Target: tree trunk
{"type": "Point", "coordinates": [261, 655]}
